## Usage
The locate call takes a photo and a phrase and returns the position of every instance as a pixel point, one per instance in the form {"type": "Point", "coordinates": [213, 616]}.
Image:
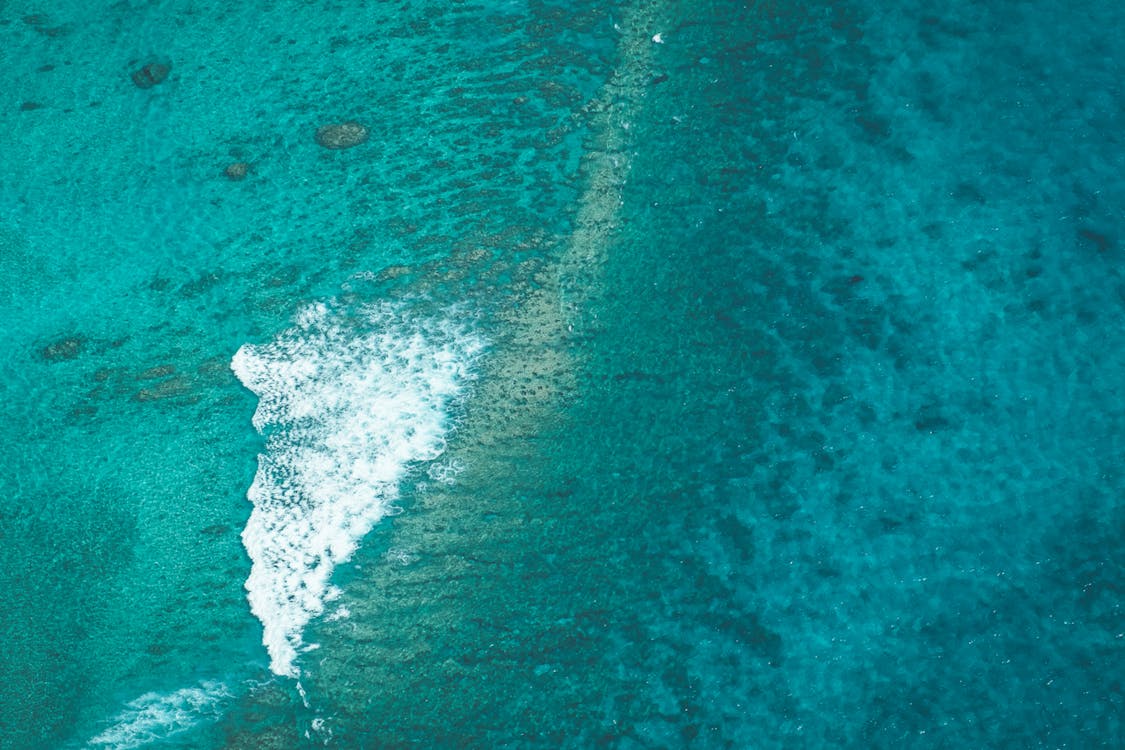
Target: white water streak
{"type": "Point", "coordinates": [348, 401]}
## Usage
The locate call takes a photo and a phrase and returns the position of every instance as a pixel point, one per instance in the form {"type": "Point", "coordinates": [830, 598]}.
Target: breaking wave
{"type": "Point", "coordinates": [349, 399]}
{"type": "Point", "coordinates": [157, 716]}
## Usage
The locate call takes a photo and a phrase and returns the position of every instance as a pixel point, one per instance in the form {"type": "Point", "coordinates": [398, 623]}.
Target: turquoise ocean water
{"type": "Point", "coordinates": [657, 374]}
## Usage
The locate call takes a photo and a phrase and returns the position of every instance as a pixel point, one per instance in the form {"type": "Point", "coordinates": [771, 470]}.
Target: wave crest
{"type": "Point", "coordinates": [156, 716]}
{"type": "Point", "coordinates": [348, 400]}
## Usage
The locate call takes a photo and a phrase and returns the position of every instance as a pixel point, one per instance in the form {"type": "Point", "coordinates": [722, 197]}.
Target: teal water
{"type": "Point", "coordinates": [756, 384]}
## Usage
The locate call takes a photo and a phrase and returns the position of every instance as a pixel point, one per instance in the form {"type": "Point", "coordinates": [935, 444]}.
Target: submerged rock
{"type": "Point", "coordinates": [39, 21]}
{"type": "Point", "coordinates": [341, 135]}
{"type": "Point", "coordinates": [237, 171]}
{"type": "Point", "coordinates": [160, 371]}
{"type": "Point", "coordinates": [63, 349]}
{"type": "Point", "coordinates": [151, 74]}
{"type": "Point", "coordinates": [178, 385]}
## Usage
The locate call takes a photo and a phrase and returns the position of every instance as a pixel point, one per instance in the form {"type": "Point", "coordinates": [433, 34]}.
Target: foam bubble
{"type": "Point", "coordinates": [348, 400]}
{"type": "Point", "coordinates": [156, 716]}
{"type": "Point", "coordinates": [445, 472]}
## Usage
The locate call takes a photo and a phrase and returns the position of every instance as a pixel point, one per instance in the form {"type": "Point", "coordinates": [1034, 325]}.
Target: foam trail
{"type": "Point", "coordinates": [157, 716]}
{"type": "Point", "coordinates": [348, 400]}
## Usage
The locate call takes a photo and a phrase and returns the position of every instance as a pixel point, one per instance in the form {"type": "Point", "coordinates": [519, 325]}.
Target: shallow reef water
{"type": "Point", "coordinates": [652, 375]}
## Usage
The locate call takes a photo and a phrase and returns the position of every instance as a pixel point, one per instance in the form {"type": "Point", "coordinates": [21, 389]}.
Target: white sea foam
{"type": "Point", "coordinates": [157, 716]}
{"type": "Point", "coordinates": [349, 399]}
{"type": "Point", "coordinates": [445, 472]}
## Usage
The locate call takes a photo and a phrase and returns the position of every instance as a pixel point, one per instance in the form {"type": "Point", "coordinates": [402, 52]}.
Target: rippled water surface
{"type": "Point", "coordinates": [654, 375]}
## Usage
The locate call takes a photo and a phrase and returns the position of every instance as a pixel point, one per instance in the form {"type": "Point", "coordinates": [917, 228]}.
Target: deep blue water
{"type": "Point", "coordinates": [655, 375]}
